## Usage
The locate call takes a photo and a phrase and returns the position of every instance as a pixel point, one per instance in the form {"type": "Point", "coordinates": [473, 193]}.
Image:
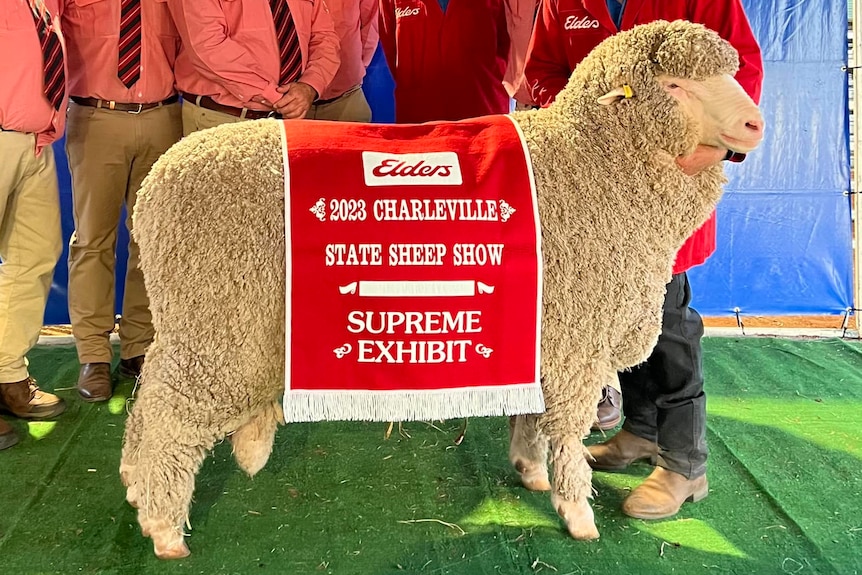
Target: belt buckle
{"type": "Point", "coordinates": [272, 114]}
{"type": "Point", "coordinates": [138, 111]}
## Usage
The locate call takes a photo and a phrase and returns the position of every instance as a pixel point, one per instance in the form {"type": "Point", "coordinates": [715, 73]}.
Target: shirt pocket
{"type": "Point", "coordinates": [93, 18]}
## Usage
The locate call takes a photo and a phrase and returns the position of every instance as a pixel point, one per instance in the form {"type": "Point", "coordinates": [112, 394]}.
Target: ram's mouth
{"type": "Point", "coordinates": [740, 144]}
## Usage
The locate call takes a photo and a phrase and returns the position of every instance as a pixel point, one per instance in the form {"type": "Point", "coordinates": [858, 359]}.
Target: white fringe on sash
{"type": "Point", "coordinates": [411, 405]}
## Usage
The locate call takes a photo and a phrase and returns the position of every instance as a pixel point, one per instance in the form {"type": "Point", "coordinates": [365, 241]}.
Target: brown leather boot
{"type": "Point", "coordinates": [25, 400]}
{"type": "Point", "coordinates": [8, 435]}
{"type": "Point", "coordinates": [131, 368]}
{"type": "Point", "coordinates": [94, 382]}
{"type": "Point", "coordinates": [663, 493]}
{"type": "Point", "coordinates": [620, 451]}
{"type": "Point", "coordinates": [608, 413]}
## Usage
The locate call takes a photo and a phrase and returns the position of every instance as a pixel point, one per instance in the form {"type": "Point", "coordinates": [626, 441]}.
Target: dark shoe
{"type": "Point", "coordinates": [25, 400]}
{"type": "Point", "coordinates": [608, 412]}
{"type": "Point", "coordinates": [94, 382]}
{"type": "Point", "coordinates": [663, 493]}
{"type": "Point", "coordinates": [8, 435]}
{"type": "Point", "coordinates": [620, 451]}
{"type": "Point", "coordinates": [131, 368]}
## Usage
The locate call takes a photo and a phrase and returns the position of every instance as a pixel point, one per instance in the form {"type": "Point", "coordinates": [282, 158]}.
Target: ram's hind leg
{"type": "Point", "coordinates": [252, 443]}
{"type": "Point", "coordinates": [528, 452]}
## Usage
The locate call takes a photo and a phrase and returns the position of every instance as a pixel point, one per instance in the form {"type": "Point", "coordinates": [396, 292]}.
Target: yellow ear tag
{"type": "Point", "coordinates": [627, 91]}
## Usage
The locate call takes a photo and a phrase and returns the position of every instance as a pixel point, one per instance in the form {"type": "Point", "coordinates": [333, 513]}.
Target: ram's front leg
{"type": "Point", "coordinates": [572, 487]}
{"type": "Point", "coordinates": [528, 452]}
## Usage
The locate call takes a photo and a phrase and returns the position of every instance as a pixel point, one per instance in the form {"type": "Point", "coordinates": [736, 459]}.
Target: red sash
{"type": "Point", "coordinates": [414, 271]}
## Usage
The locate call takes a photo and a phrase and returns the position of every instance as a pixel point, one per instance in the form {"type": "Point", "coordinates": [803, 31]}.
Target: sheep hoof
{"type": "Point", "coordinates": [175, 551]}
{"type": "Point", "coordinates": [534, 478]}
{"type": "Point", "coordinates": [578, 517]}
{"type": "Point", "coordinates": [168, 540]}
{"type": "Point", "coordinates": [538, 483]}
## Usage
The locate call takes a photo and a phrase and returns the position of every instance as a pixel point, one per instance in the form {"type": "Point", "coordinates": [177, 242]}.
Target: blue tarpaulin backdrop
{"type": "Point", "coordinates": [784, 228]}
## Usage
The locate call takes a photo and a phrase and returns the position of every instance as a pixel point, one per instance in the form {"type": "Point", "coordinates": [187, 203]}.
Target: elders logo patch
{"type": "Point", "coordinates": [425, 169]}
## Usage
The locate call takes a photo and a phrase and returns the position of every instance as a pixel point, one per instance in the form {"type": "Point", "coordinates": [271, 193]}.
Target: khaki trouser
{"type": "Point", "coordinates": [110, 152]}
{"type": "Point", "coordinates": [30, 245]}
{"type": "Point", "coordinates": [349, 107]}
{"type": "Point", "coordinates": [196, 118]}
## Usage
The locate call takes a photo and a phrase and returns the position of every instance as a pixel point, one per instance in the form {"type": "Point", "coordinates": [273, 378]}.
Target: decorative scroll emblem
{"type": "Point", "coordinates": [319, 209]}
{"type": "Point", "coordinates": [343, 350]}
{"type": "Point", "coordinates": [484, 351]}
{"type": "Point", "coordinates": [506, 211]}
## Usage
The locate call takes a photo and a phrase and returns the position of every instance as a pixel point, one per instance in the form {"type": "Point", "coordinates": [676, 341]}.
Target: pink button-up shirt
{"type": "Point", "coordinates": [23, 106]}
{"type": "Point", "coordinates": [92, 29]}
{"type": "Point", "coordinates": [230, 52]}
{"type": "Point", "coordinates": [356, 26]}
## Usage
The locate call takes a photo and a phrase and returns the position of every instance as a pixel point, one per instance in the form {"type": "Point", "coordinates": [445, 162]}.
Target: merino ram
{"type": "Point", "coordinates": [614, 208]}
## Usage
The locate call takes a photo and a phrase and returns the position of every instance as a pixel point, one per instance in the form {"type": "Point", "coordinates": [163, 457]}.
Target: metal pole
{"type": "Point", "coordinates": [857, 176]}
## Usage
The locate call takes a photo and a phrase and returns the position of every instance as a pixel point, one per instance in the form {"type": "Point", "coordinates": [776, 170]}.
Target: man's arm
{"type": "Point", "coordinates": [228, 63]}
{"type": "Point", "coordinates": [519, 22]}
{"type": "Point", "coordinates": [368, 13]}
{"type": "Point", "coordinates": [547, 70]}
{"type": "Point", "coordinates": [323, 49]}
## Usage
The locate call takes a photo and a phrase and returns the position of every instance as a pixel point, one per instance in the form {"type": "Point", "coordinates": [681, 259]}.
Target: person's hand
{"type": "Point", "coordinates": [699, 160]}
{"type": "Point", "coordinates": [261, 100]}
{"type": "Point", "coordinates": [296, 101]}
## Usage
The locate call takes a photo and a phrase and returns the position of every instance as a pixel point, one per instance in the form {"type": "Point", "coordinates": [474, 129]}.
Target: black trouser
{"type": "Point", "coordinates": [663, 397]}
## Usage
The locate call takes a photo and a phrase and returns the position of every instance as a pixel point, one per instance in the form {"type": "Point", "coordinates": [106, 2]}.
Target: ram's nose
{"type": "Point", "coordinates": [754, 127]}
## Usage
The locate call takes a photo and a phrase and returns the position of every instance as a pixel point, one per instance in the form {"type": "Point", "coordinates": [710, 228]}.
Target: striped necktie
{"type": "Point", "coordinates": [290, 56]}
{"type": "Point", "coordinates": [54, 74]}
{"type": "Point", "coordinates": [129, 63]}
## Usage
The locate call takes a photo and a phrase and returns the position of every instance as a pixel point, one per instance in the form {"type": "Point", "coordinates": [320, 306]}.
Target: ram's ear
{"type": "Point", "coordinates": [623, 92]}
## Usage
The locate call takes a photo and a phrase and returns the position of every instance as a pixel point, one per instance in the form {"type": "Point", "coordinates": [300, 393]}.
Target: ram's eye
{"type": "Point", "coordinates": [673, 85]}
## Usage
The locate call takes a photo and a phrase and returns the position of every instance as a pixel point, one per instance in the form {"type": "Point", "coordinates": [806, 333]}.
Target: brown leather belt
{"type": "Point", "coordinates": [343, 95]}
{"type": "Point", "coordinates": [122, 107]}
{"type": "Point", "coordinates": [210, 104]}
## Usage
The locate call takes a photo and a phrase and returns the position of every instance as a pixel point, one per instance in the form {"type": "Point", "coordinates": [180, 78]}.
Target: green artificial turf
{"type": "Point", "coordinates": [785, 473]}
